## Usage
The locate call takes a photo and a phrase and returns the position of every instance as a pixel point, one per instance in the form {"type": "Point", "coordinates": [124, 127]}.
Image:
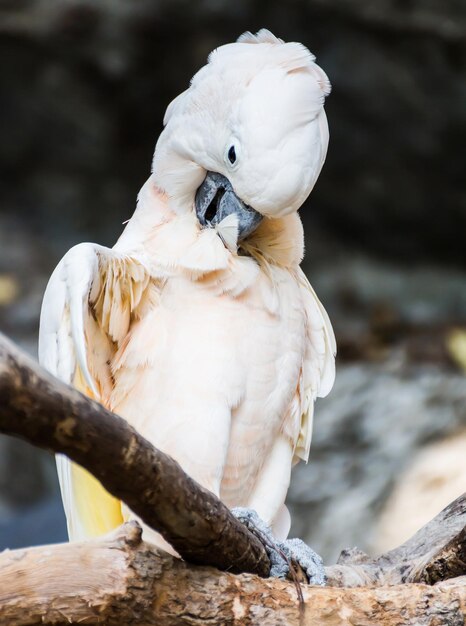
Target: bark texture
{"type": "Point", "coordinates": [39, 408]}
{"type": "Point", "coordinates": [50, 414]}
{"type": "Point", "coordinates": [122, 580]}
{"type": "Point", "coordinates": [437, 552]}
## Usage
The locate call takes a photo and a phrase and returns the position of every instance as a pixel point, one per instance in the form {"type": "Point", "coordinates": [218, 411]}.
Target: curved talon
{"type": "Point", "coordinates": [281, 553]}
{"type": "Point", "coordinates": [309, 560]}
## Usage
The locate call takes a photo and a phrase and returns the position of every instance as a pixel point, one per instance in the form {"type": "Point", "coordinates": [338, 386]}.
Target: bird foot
{"type": "Point", "coordinates": [281, 553]}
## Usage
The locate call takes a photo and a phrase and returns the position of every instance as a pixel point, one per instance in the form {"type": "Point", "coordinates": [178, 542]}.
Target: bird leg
{"type": "Point", "coordinates": [281, 553]}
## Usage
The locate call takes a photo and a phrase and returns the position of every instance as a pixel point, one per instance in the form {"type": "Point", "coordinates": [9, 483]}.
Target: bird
{"type": "Point", "coordinates": [199, 326]}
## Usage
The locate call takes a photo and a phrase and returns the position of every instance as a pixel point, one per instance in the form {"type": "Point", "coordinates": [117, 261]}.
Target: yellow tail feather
{"type": "Point", "coordinates": [97, 512]}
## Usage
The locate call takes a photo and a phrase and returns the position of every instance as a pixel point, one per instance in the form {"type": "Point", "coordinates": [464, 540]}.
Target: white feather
{"type": "Point", "coordinates": [318, 371]}
{"type": "Point", "coordinates": [67, 324]}
{"type": "Point", "coordinates": [217, 358]}
{"type": "Point", "coordinates": [228, 230]}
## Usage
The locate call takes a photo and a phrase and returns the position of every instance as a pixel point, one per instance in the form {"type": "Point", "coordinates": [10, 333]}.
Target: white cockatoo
{"type": "Point", "coordinates": [199, 327]}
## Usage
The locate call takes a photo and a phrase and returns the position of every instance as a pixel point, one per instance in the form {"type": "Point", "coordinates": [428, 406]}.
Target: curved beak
{"type": "Point", "coordinates": [215, 200]}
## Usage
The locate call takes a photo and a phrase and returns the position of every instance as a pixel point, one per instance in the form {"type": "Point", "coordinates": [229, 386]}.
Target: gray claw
{"type": "Point", "coordinates": [309, 560]}
{"type": "Point", "coordinates": [293, 549]}
{"type": "Point", "coordinates": [252, 521]}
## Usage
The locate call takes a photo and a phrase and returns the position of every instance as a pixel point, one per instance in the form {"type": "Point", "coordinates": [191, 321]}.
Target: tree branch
{"type": "Point", "coordinates": [39, 408]}
{"type": "Point", "coordinates": [436, 552]}
{"type": "Point", "coordinates": [47, 413]}
{"type": "Point", "coordinates": [122, 580]}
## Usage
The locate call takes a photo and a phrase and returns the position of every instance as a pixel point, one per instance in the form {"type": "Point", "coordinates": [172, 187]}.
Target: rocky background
{"type": "Point", "coordinates": [83, 88]}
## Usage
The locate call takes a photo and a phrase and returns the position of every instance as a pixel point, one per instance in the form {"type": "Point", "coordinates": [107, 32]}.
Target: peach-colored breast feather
{"type": "Point", "coordinates": [198, 326]}
{"type": "Point", "coordinates": [215, 358]}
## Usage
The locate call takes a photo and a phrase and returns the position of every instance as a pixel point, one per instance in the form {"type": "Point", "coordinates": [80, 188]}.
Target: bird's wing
{"type": "Point", "coordinates": [318, 370]}
{"type": "Point", "coordinates": [88, 305]}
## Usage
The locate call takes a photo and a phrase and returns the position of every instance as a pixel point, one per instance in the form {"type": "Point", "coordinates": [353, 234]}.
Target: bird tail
{"type": "Point", "coordinates": [90, 510]}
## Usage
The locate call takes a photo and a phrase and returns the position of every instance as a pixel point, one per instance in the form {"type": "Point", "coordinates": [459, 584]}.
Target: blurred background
{"type": "Point", "coordinates": [83, 89]}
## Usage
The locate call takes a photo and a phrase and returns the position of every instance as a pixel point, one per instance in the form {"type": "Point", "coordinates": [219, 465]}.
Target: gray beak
{"type": "Point", "coordinates": [215, 199]}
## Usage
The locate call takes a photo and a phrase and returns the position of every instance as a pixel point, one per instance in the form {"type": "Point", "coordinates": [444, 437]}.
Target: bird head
{"type": "Point", "coordinates": [248, 137]}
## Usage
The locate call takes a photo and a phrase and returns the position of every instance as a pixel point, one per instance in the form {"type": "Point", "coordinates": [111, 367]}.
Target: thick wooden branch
{"type": "Point", "coordinates": [44, 411]}
{"type": "Point", "coordinates": [435, 553]}
{"type": "Point", "coordinates": [39, 408]}
{"type": "Point", "coordinates": [121, 580]}
{"type": "Point", "coordinates": [443, 563]}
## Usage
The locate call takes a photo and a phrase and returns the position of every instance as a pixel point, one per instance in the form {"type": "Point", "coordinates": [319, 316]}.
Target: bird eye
{"type": "Point", "coordinates": [232, 155]}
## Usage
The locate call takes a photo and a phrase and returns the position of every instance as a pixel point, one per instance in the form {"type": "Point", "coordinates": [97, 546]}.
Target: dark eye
{"type": "Point", "coordinates": [232, 155]}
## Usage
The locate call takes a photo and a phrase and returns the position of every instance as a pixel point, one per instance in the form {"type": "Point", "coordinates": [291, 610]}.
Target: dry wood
{"type": "Point", "coordinates": [48, 413]}
{"type": "Point", "coordinates": [121, 580]}
{"type": "Point", "coordinates": [435, 553]}
{"type": "Point", "coordinates": [39, 408]}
